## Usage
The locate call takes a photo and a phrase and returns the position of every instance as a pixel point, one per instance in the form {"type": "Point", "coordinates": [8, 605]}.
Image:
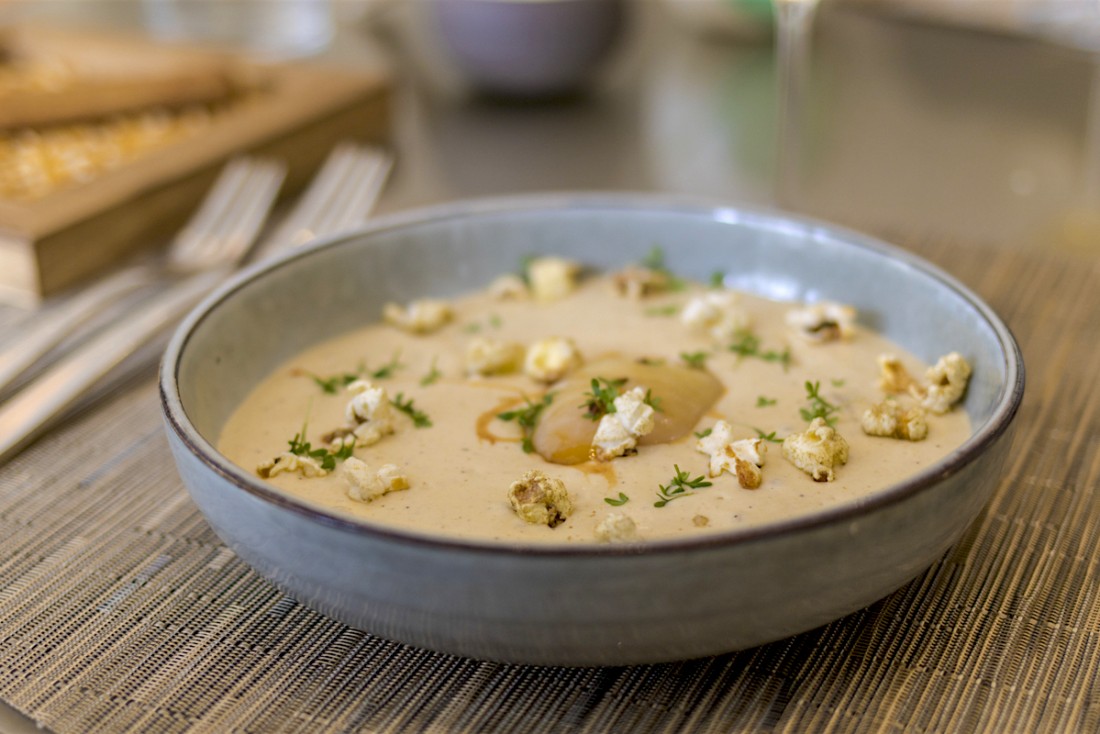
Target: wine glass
{"type": "Point", "coordinates": [793, 24]}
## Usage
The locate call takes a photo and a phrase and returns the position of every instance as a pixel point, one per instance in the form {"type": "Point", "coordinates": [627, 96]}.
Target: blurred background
{"type": "Point", "coordinates": [975, 119]}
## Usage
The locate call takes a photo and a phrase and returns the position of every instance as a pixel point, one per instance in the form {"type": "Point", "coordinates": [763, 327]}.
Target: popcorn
{"type": "Point", "coordinates": [636, 282]}
{"type": "Point", "coordinates": [618, 432]}
{"type": "Point", "coordinates": [419, 317]}
{"type": "Point", "coordinates": [540, 500]}
{"type": "Point", "coordinates": [509, 287]}
{"type": "Point", "coordinates": [617, 527]}
{"type": "Point", "coordinates": [486, 356]}
{"type": "Point", "coordinates": [552, 278]}
{"type": "Point", "coordinates": [369, 413]}
{"type": "Point", "coordinates": [890, 420]}
{"type": "Point", "coordinates": [366, 485]}
{"type": "Point", "coordinates": [743, 458]}
{"type": "Point", "coordinates": [893, 377]}
{"type": "Point", "coordinates": [289, 463]}
{"type": "Point", "coordinates": [945, 383]}
{"type": "Point", "coordinates": [823, 322]}
{"type": "Point", "coordinates": [548, 360]}
{"type": "Point", "coordinates": [718, 313]}
{"type": "Point", "coordinates": [817, 450]}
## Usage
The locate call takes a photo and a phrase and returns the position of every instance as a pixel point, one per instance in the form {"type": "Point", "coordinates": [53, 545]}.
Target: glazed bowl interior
{"type": "Point", "coordinates": [589, 604]}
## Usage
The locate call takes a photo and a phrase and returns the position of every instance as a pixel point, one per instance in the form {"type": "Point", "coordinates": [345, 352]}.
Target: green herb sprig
{"type": "Point", "coordinates": [332, 385]}
{"type": "Point", "coordinates": [527, 418]}
{"type": "Point", "coordinates": [679, 487]}
{"type": "Point", "coordinates": [619, 501]}
{"type": "Point", "coordinates": [420, 418]}
{"type": "Point", "coordinates": [601, 399]}
{"type": "Point", "coordinates": [299, 446]}
{"type": "Point", "coordinates": [655, 260]}
{"type": "Point", "coordinates": [748, 345]}
{"type": "Point", "coordinates": [433, 374]}
{"type": "Point", "coordinates": [763, 401]}
{"type": "Point", "coordinates": [695, 360]}
{"type": "Point", "coordinates": [704, 433]}
{"type": "Point", "coordinates": [386, 371]}
{"type": "Point", "coordinates": [769, 437]}
{"type": "Point", "coordinates": [818, 407]}
{"type": "Point", "coordinates": [652, 401]}
{"type": "Point", "coordinates": [525, 266]}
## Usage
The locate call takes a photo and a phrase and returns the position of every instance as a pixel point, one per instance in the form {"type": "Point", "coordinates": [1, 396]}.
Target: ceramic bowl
{"type": "Point", "coordinates": [584, 605]}
{"type": "Point", "coordinates": [529, 48]}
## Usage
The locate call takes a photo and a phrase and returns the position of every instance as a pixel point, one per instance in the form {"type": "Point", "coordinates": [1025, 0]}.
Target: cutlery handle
{"type": "Point", "coordinates": [25, 415]}
{"type": "Point", "coordinates": [51, 328]}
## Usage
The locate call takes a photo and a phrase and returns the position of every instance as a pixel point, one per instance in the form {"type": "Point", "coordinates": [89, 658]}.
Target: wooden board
{"type": "Point", "coordinates": [294, 112]}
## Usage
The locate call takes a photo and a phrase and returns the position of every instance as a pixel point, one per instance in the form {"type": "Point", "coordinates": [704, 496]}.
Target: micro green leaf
{"type": "Point", "coordinates": [818, 406]}
{"type": "Point", "coordinates": [695, 360]}
{"type": "Point", "coordinates": [527, 418]}
{"type": "Point", "coordinates": [419, 417]}
{"type": "Point", "coordinates": [433, 374]}
{"type": "Point", "coordinates": [601, 399]}
{"type": "Point", "coordinates": [678, 487]}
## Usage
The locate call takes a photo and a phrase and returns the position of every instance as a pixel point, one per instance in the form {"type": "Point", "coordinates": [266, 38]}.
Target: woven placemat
{"type": "Point", "coordinates": [120, 609]}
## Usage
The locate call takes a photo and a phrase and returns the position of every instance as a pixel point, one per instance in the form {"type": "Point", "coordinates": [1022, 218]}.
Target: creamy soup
{"type": "Point", "coordinates": [772, 380]}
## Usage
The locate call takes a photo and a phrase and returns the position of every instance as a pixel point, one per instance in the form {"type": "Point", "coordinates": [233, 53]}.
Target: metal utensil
{"type": "Point", "coordinates": [212, 238]}
{"type": "Point", "coordinates": [356, 174]}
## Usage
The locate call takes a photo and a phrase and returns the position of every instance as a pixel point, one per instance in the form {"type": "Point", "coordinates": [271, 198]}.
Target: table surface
{"type": "Point", "coordinates": [977, 150]}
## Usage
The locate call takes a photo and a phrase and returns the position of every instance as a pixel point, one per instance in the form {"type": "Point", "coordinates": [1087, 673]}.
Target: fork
{"type": "Point", "coordinates": [218, 233]}
{"type": "Point", "coordinates": [355, 173]}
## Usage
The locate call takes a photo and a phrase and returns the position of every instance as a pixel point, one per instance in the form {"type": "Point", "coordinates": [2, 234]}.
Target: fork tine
{"type": "Point", "coordinates": [293, 229]}
{"type": "Point", "coordinates": [350, 172]}
{"type": "Point", "coordinates": [229, 234]}
{"type": "Point", "coordinates": [262, 188]}
{"type": "Point", "coordinates": [350, 205]}
{"type": "Point", "coordinates": [365, 193]}
{"type": "Point", "coordinates": [213, 208]}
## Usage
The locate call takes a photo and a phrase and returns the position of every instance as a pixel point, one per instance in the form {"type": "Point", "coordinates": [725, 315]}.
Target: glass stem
{"type": "Point", "coordinates": [794, 25]}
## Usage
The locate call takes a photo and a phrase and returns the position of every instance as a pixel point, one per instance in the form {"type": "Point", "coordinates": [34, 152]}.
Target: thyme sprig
{"type": "Point", "coordinates": [655, 260]}
{"type": "Point", "coordinates": [748, 345]}
{"type": "Point", "coordinates": [818, 407]}
{"type": "Point", "coordinates": [386, 371]}
{"type": "Point", "coordinates": [762, 401]}
{"type": "Point", "coordinates": [299, 446]}
{"type": "Point", "coordinates": [525, 266]}
{"type": "Point", "coordinates": [601, 399]}
{"type": "Point", "coordinates": [433, 373]}
{"type": "Point", "coordinates": [420, 418]}
{"type": "Point", "coordinates": [619, 501]}
{"type": "Point", "coordinates": [695, 360]}
{"type": "Point", "coordinates": [527, 418]}
{"type": "Point", "coordinates": [679, 487]}
{"type": "Point", "coordinates": [769, 437]}
{"type": "Point", "coordinates": [652, 401]}
{"type": "Point", "coordinates": [332, 384]}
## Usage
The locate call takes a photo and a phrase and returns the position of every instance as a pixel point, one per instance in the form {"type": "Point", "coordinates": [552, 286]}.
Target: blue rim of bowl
{"type": "Point", "coordinates": [1005, 408]}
